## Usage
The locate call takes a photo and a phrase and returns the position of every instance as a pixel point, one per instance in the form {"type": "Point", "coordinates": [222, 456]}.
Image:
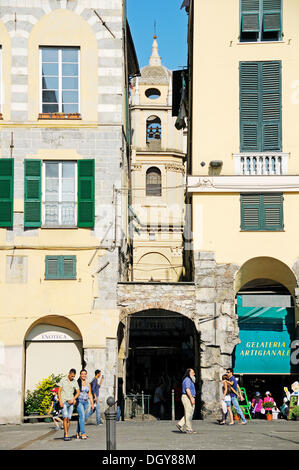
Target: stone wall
{"type": "Point", "coordinates": [210, 303]}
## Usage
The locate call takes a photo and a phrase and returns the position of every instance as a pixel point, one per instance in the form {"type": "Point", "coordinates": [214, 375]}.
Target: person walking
{"type": "Point", "coordinates": [68, 391]}
{"type": "Point", "coordinates": [159, 400]}
{"type": "Point", "coordinates": [85, 396]}
{"type": "Point", "coordinates": [188, 400]}
{"type": "Point", "coordinates": [55, 410]}
{"type": "Point", "coordinates": [226, 402]}
{"type": "Point", "coordinates": [235, 394]}
{"type": "Point", "coordinates": [96, 384]}
{"type": "Point", "coordinates": [120, 400]}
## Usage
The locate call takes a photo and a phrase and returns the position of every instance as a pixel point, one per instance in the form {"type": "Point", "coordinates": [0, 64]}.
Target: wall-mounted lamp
{"type": "Point", "coordinates": [216, 163]}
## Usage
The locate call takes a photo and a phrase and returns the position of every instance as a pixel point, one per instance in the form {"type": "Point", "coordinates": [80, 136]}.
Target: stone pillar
{"type": "Point", "coordinates": [217, 323]}
{"type": "Point", "coordinates": [106, 360]}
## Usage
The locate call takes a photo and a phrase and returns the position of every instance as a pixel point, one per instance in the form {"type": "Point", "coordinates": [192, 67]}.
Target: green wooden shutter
{"type": "Point", "coordinates": [52, 267]}
{"type": "Point", "coordinates": [260, 106]}
{"type": "Point", "coordinates": [60, 267]}
{"type": "Point", "coordinates": [250, 212]}
{"type": "Point", "coordinates": [272, 211]}
{"type": "Point", "coordinates": [272, 15]}
{"type": "Point", "coordinates": [250, 16]}
{"type": "Point", "coordinates": [249, 106]}
{"type": "Point", "coordinates": [32, 197]}
{"type": "Point", "coordinates": [86, 204]}
{"type": "Point", "coordinates": [6, 191]}
{"type": "Point", "coordinates": [68, 267]}
{"type": "Point", "coordinates": [271, 105]}
{"type": "Point", "coordinates": [262, 211]}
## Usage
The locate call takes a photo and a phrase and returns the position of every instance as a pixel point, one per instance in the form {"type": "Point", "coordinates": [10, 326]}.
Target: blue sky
{"type": "Point", "coordinates": [171, 27]}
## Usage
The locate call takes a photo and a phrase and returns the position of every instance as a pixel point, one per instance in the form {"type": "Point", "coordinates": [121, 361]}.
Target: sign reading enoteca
{"type": "Point", "coordinates": [45, 332]}
{"type": "Point", "coordinates": [266, 335]}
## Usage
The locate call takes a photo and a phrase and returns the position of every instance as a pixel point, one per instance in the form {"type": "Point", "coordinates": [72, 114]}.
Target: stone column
{"type": "Point", "coordinates": [217, 323]}
{"type": "Point", "coordinates": [106, 360]}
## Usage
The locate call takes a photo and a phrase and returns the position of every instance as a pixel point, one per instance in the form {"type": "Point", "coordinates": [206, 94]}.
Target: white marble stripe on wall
{"type": "Point", "coordinates": [19, 33]}
{"type": "Point", "coordinates": [19, 51]}
{"type": "Point", "coordinates": [110, 53]}
{"type": "Point", "coordinates": [110, 72]}
{"type": "Point", "coordinates": [18, 106]}
{"type": "Point", "coordinates": [109, 90]}
{"type": "Point", "coordinates": [19, 88]}
{"type": "Point", "coordinates": [19, 71]}
{"type": "Point", "coordinates": [109, 108]}
{"type": "Point", "coordinates": [106, 35]}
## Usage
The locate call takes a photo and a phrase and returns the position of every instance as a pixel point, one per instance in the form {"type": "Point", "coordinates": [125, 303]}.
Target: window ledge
{"type": "Point", "coordinates": [263, 231]}
{"type": "Point", "coordinates": [239, 43]}
{"type": "Point", "coordinates": [59, 116]}
{"type": "Point", "coordinates": [55, 227]}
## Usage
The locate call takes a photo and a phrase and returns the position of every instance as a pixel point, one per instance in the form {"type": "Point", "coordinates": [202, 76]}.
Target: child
{"type": "Point", "coordinates": [55, 410]}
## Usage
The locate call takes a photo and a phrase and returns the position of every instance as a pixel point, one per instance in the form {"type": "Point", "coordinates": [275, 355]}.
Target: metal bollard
{"type": "Point", "coordinates": [172, 406]}
{"type": "Point", "coordinates": [142, 402]}
{"type": "Point", "coordinates": [111, 415]}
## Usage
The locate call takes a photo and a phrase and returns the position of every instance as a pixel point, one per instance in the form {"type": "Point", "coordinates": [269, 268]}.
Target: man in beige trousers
{"type": "Point", "coordinates": [188, 400]}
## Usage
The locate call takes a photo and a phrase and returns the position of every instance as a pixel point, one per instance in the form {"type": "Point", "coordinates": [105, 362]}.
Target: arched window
{"type": "Point", "coordinates": [153, 128]}
{"type": "Point", "coordinates": [153, 182]}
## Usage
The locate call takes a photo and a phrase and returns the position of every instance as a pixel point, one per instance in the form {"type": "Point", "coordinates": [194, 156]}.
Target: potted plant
{"type": "Point", "coordinates": [38, 401]}
{"type": "Point", "coordinates": [235, 414]}
{"type": "Point", "coordinates": [266, 406]}
{"type": "Point", "coordinates": [294, 413]}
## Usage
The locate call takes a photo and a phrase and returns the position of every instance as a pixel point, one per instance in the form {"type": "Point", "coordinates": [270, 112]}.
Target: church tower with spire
{"type": "Point", "coordinates": [157, 178]}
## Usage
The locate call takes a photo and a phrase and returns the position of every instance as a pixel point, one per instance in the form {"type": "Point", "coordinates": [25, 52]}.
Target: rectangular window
{"type": "Point", "coordinates": [59, 79]}
{"type": "Point", "coordinates": [260, 20]}
{"type": "Point", "coordinates": [260, 106]}
{"type": "Point", "coordinates": [260, 212]}
{"type": "Point", "coordinates": [60, 267]}
{"type": "Point", "coordinates": [60, 193]}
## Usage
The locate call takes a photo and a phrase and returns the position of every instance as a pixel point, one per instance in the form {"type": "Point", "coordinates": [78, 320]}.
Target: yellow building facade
{"type": "Point", "coordinates": [243, 187]}
{"type": "Point", "coordinates": [64, 160]}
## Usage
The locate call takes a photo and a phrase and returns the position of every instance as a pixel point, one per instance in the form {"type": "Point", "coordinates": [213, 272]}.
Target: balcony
{"type": "Point", "coordinates": [265, 163]}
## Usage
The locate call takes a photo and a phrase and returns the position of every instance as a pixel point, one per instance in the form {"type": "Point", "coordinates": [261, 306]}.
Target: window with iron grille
{"type": "Point", "coordinates": [59, 193]}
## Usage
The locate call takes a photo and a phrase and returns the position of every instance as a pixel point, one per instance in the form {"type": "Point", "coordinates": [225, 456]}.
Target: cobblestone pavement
{"type": "Point", "coordinates": [157, 435]}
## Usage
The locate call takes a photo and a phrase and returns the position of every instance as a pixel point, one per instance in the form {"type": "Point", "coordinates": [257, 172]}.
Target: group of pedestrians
{"type": "Point", "coordinates": [230, 398]}
{"type": "Point", "coordinates": [70, 392]}
{"type": "Point", "coordinates": [259, 405]}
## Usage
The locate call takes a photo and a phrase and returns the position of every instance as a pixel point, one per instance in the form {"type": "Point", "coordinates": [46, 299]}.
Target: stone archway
{"type": "Point", "coordinates": [264, 267]}
{"type": "Point", "coordinates": [53, 344]}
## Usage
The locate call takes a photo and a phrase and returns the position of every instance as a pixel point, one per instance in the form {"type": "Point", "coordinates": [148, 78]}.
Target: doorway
{"type": "Point", "coordinates": [161, 346]}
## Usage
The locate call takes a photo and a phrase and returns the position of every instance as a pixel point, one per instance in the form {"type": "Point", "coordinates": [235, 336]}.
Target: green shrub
{"type": "Point", "coordinates": [39, 400]}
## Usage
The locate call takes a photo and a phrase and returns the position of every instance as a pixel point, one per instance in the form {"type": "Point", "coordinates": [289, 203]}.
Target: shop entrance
{"type": "Point", "coordinates": [262, 383]}
{"type": "Point", "coordinates": [266, 320]}
{"type": "Point", "coordinates": [161, 346]}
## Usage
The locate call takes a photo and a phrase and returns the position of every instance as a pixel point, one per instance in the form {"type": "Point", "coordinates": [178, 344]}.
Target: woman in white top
{"type": "Point", "coordinates": [226, 402]}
